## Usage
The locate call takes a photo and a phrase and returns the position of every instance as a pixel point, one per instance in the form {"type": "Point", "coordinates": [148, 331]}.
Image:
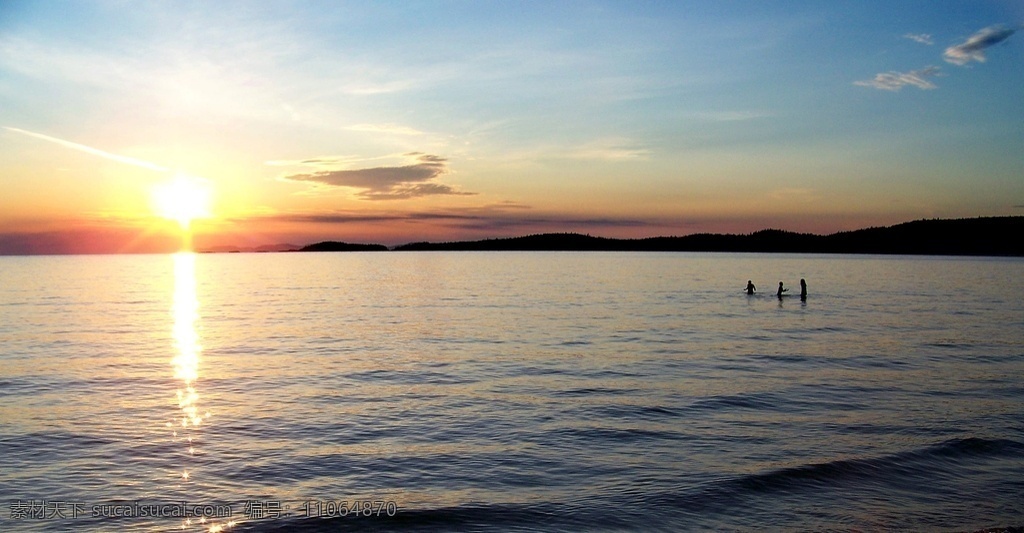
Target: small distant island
{"type": "Point", "coordinates": [986, 236]}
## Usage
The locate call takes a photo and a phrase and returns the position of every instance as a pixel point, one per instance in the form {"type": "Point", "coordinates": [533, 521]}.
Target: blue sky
{"type": "Point", "coordinates": [398, 121]}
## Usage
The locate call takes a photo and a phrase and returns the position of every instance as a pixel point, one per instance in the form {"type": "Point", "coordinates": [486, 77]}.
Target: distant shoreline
{"type": "Point", "coordinates": [984, 236]}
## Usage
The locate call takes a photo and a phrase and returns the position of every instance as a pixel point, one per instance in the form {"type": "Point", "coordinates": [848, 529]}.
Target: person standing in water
{"type": "Point", "coordinates": [803, 290]}
{"type": "Point", "coordinates": [781, 290]}
{"type": "Point", "coordinates": [750, 287]}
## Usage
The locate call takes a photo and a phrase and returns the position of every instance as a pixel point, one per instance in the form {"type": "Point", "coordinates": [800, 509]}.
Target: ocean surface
{"type": "Point", "coordinates": [510, 392]}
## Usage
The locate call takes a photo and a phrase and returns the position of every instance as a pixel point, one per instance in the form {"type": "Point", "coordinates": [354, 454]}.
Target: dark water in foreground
{"type": "Point", "coordinates": [504, 391]}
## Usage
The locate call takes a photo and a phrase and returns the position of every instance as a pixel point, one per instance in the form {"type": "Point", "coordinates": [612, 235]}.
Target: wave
{"type": "Point", "coordinates": [801, 496]}
{"type": "Point", "coordinates": [879, 477]}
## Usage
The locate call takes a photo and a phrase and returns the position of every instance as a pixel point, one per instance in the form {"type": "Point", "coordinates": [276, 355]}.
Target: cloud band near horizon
{"type": "Point", "coordinates": [502, 216]}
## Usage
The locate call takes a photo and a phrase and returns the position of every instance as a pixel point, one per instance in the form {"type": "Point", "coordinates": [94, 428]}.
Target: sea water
{"type": "Point", "coordinates": [510, 391]}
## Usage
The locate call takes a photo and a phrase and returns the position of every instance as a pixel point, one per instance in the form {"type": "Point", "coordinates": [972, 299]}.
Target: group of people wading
{"type": "Point", "coordinates": [803, 289]}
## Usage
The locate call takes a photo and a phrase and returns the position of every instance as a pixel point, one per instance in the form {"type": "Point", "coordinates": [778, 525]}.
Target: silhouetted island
{"type": "Point", "coordinates": [334, 246]}
{"type": "Point", "coordinates": [992, 236]}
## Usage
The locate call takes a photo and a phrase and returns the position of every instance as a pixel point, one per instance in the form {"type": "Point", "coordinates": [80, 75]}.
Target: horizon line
{"type": "Point", "coordinates": [278, 247]}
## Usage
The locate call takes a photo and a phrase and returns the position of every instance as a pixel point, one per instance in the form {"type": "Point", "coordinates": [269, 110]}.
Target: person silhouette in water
{"type": "Point", "coordinates": [781, 290]}
{"type": "Point", "coordinates": [750, 287]}
{"type": "Point", "coordinates": [803, 289]}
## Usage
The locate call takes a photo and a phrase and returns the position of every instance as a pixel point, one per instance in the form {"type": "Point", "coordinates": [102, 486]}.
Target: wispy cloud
{"type": "Point", "coordinates": [610, 149]}
{"type": "Point", "coordinates": [922, 38]}
{"type": "Point", "coordinates": [394, 129]}
{"type": "Point", "coordinates": [894, 81]}
{"type": "Point", "coordinates": [91, 150]}
{"type": "Point", "coordinates": [733, 116]}
{"type": "Point", "coordinates": [973, 49]}
{"type": "Point", "coordinates": [370, 89]}
{"type": "Point", "coordinates": [798, 195]}
{"type": "Point", "coordinates": [387, 183]}
{"type": "Point", "coordinates": [172, 78]}
{"type": "Point", "coordinates": [79, 65]}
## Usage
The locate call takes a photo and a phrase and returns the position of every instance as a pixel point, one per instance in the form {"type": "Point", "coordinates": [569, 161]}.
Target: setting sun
{"type": "Point", "coordinates": [185, 198]}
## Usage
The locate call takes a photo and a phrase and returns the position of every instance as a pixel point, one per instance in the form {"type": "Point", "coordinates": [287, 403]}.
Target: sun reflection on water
{"type": "Point", "coordinates": [186, 344]}
{"type": "Point", "coordinates": [187, 350]}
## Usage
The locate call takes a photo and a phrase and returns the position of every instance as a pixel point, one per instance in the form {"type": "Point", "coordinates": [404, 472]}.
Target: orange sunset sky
{"type": "Point", "coordinates": [257, 123]}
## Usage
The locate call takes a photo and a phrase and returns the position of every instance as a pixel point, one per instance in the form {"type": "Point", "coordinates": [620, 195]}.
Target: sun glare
{"type": "Point", "coordinates": [185, 198]}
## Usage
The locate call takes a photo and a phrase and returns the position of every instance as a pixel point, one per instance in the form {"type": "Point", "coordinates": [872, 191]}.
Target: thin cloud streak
{"type": "Point", "coordinates": [91, 150]}
{"type": "Point", "coordinates": [324, 161]}
{"type": "Point", "coordinates": [894, 81]}
{"type": "Point", "coordinates": [973, 49]}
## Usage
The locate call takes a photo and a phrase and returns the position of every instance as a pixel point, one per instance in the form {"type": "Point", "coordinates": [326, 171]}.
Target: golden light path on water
{"type": "Point", "coordinates": [187, 350]}
{"type": "Point", "coordinates": [186, 342]}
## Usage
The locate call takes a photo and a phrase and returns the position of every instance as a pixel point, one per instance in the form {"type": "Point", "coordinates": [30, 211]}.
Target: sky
{"type": "Point", "coordinates": [396, 122]}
